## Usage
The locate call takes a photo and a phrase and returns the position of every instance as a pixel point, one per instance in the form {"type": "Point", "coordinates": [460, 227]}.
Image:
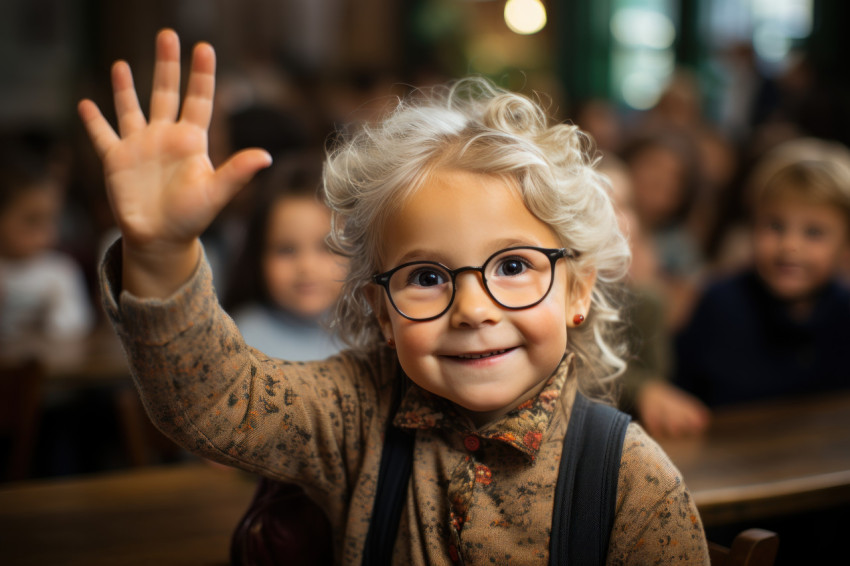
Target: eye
{"type": "Point", "coordinates": [512, 266]}
{"type": "Point", "coordinates": [284, 250]}
{"type": "Point", "coordinates": [814, 232]}
{"type": "Point", "coordinates": [775, 226]}
{"type": "Point", "coordinates": [426, 277]}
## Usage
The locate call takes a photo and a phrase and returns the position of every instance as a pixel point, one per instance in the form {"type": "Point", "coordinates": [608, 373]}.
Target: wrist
{"type": "Point", "coordinates": [158, 271]}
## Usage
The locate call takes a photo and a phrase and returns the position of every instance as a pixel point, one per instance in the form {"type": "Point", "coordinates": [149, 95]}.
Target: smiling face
{"type": "Point", "coordinates": [302, 275]}
{"type": "Point", "coordinates": [483, 357]}
{"type": "Point", "coordinates": [799, 245]}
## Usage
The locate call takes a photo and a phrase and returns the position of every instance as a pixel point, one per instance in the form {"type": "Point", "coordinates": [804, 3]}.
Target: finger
{"type": "Point", "coordinates": [127, 109]}
{"type": "Point", "coordinates": [165, 96]}
{"type": "Point", "coordinates": [100, 132]}
{"type": "Point", "coordinates": [236, 172]}
{"type": "Point", "coordinates": [197, 107]}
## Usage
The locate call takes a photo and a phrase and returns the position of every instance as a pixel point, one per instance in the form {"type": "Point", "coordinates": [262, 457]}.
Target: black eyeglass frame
{"type": "Point", "coordinates": [554, 254]}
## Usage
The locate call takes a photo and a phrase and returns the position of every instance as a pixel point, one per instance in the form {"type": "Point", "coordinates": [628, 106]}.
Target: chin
{"type": "Point", "coordinates": [485, 406]}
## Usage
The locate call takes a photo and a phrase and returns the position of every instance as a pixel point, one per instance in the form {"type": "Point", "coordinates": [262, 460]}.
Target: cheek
{"type": "Point", "coordinates": [415, 344]}
{"type": "Point", "coordinates": [415, 339]}
{"type": "Point", "coordinates": [544, 327]}
{"type": "Point", "coordinates": [279, 273]}
{"type": "Point", "coordinates": [826, 258]}
{"type": "Point", "coordinates": [764, 242]}
{"type": "Point", "coordinates": [547, 327]}
{"type": "Point", "coordinates": [335, 268]}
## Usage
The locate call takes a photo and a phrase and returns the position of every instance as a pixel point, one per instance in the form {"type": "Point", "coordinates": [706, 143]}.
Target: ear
{"type": "Point", "coordinates": [376, 297]}
{"type": "Point", "coordinates": [580, 296]}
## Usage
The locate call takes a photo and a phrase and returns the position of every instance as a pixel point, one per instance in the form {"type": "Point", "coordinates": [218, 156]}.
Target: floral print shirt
{"type": "Point", "coordinates": [476, 495]}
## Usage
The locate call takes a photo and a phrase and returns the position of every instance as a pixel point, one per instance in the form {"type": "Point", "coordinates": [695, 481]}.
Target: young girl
{"type": "Point", "coordinates": [494, 354]}
{"type": "Point", "coordinates": [287, 278]}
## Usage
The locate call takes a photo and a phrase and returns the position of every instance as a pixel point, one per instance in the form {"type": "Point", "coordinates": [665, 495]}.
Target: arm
{"type": "Point", "coordinates": [662, 408]}
{"type": "Point", "coordinates": [315, 424]}
{"type": "Point", "coordinates": [657, 521]}
{"type": "Point", "coordinates": [199, 381]}
{"type": "Point", "coordinates": [667, 411]}
{"type": "Point", "coordinates": [162, 187]}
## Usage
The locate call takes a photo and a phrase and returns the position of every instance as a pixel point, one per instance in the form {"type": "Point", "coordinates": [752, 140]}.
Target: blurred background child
{"type": "Point", "coordinates": [286, 278]}
{"type": "Point", "coordinates": [646, 393]}
{"type": "Point", "coordinates": [782, 327]}
{"type": "Point", "coordinates": [43, 291]}
{"type": "Point", "coordinates": [663, 171]}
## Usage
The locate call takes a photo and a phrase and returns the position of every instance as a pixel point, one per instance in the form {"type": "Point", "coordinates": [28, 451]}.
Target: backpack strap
{"type": "Point", "coordinates": [586, 494]}
{"type": "Point", "coordinates": [393, 477]}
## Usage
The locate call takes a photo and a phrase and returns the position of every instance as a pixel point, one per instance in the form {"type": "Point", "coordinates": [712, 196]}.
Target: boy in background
{"type": "Point", "coordinates": [780, 328]}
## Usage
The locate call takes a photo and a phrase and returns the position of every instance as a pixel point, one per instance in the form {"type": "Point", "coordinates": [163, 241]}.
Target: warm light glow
{"type": "Point", "coordinates": [525, 16]}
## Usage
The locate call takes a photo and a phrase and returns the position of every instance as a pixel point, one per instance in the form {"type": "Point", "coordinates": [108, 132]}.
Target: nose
{"type": "Point", "coordinates": [473, 306]}
{"type": "Point", "coordinates": [305, 261]}
{"type": "Point", "coordinates": [791, 241]}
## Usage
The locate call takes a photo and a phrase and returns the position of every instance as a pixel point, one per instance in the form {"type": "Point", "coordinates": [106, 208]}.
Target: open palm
{"type": "Point", "coordinates": [162, 187]}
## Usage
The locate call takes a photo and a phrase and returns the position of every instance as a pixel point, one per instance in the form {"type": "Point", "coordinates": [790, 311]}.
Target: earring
{"type": "Point", "coordinates": [578, 319]}
{"type": "Point", "coordinates": [391, 343]}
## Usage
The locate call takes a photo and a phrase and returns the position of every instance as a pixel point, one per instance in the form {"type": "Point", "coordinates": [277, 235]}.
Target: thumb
{"type": "Point", "coordinates": [235, 173]}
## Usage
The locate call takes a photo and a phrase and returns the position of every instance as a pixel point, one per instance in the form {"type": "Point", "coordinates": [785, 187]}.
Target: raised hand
{"type": "Point", "coordinates": [162, 187]}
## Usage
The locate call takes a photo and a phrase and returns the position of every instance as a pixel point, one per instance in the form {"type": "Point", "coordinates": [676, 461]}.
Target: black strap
{"type": "Point", "coordinates": [390, 495]}
{"type": "Point", "coordinates": [586, 494]}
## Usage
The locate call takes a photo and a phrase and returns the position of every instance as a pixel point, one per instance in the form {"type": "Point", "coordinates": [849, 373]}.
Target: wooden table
{"type": "Point", "coordinates": [769, 459]}
{"type": "Point", "coordinates": [94, 359]}
{"type": "Point", "coordinates": [755, 462]}
{"type": "Point", "coordinates": [171, 515]}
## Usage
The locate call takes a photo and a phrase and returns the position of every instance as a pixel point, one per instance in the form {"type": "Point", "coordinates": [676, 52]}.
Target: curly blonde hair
{"type": "Point", "coordinates": [475, 126]}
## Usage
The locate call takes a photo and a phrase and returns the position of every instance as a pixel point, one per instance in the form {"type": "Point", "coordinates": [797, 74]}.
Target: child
{"type": "Point", "coordinates": [42, 290]}
{"type": "Point", "coordinates": [663, 173]}
{"type": "Point", "coordinates": [782, 327]}
{"type": "Point", "coordinates": [287, 278]}
{"type": "Point", "coordinates": [450, 181]}
{"type": "Point", "coordinates": [662, 408]}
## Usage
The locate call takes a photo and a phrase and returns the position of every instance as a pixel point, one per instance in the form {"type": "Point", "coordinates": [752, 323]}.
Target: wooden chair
{"type": "Point", "coordinates": [752, 547]}
{"type": "Point", "coordinates": [20, 412]}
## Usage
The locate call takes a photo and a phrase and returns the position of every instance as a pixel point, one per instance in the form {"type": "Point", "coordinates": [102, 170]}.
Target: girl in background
{"type": "Point", "coordinates": [287, 278]}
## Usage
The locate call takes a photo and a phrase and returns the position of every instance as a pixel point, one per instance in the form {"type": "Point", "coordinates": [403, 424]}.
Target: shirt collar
{"type": "Point", "coordinates": [522, 428]}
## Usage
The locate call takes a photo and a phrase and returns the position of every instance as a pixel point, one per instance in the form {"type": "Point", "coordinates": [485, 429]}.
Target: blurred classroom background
{"type": "Point", "coordinates": [715, 84]}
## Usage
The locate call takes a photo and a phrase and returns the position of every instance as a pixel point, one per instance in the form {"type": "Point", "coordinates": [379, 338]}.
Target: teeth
{"type": "Point", "coordinates": [479, 356]}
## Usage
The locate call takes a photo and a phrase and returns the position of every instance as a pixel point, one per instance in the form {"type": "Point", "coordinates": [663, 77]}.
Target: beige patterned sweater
{"type": "Point", "coordinates": [476, 496]}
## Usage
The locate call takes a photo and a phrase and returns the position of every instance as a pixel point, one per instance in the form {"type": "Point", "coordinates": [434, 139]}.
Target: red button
{"type": "Point", "coordinates": [472, 443]}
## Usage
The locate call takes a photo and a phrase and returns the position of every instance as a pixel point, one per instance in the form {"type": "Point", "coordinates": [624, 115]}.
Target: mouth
{"type": "Point", "coordinates": [308, 287]}
{"type": "Point", "coordinates": [480, 355]}
{"type": "Point", "coordinates": [788, 267]}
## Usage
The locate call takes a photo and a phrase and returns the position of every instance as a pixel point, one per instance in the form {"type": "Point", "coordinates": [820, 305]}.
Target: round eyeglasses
{"type": "Point", "coordinates": [515, 278]}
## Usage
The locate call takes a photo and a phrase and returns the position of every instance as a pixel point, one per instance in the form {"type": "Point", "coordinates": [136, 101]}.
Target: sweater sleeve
{"type": "Point", "coordinates": [316, 424]}
{"type": "Point", "coordinates": [657, 521]}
